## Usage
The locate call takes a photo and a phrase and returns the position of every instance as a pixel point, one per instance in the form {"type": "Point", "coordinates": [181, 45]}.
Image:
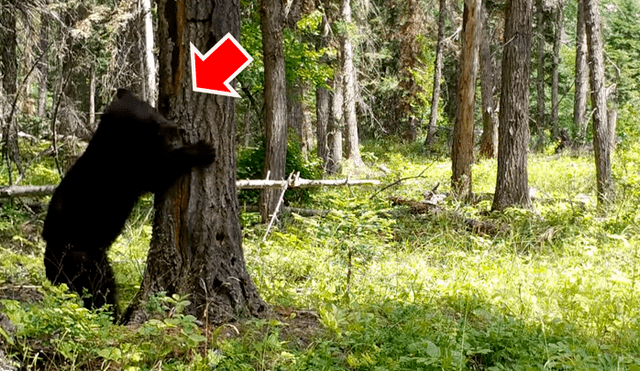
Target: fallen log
{"type": "Point", "coordinates": [26, 191]}
{"type": "Point", "coordinates": [302, 183]}
{"type": "Point", "coordinates": [34, 191]}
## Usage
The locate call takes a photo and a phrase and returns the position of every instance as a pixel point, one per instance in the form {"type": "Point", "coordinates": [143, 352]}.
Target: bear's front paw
{"type": "Point", "coordinates": [202, 153]}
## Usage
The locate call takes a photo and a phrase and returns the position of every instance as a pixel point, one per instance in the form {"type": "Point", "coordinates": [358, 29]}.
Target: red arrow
{"type": "Point", "coordinates": [212, 72]}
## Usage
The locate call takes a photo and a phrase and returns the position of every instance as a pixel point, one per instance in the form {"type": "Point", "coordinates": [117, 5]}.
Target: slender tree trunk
{"type": "Point", "coordinates": [489, 139]}
{"type": "Point", "coordinates": [540, 113]}
{"type": "Point", "coordinates": [437, 76]}
{"type": "Point", "coordinates": [196, 245]}
{"type": "Point", "coordinates": [296, 118]}
{"type": "Point", "coordinates": [410, 31]}
{"type": "Point", "coordinates": [601, 140]}
{"type": "Point", "coordinates": [352, 149]}
{"type": "Point", "coordinates": [92, 99]}
{"type": "Point", "coordinates": [275, 102]}
{"type": "Point", "coordinates": [556, 63]}
{"type": "Point", "coordinates": [336, 124]}
{"type": "Point", "coordinates": [582, 76]}
{"type": "Point", "coordinates": [462, 152]}
{"type": "Point", "coordinates": [149, 60]}
{"type": "Point", "coordinates": [322, 122]}
{"type": "Point", "coordinates": [9, 71]}
{"type": "Point", "coordinates": [43, 64]}
{"type": "Point", "coordinates": [512, 181]}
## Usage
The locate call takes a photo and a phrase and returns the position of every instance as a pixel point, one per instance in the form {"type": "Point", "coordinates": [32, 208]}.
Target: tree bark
{"type": "Point", "coordinates": [322, 122]}
{"type": "Point", "coordinates": [462, 152]}
{"type": "Point", "coordinates": [540, 112]}
{"type": "Point", "coordinates": [437, 76]}
{"type": "Point", "coordinates": [512, 179]}
{"type": "Point", "coordinates": [275, 101]}
{"type": "Point", "coordinates": [149, 59]}
{"type": "Point", "coordinates": [582, 76]}
{"type": "Point", "coordinates": [489, 139]}
{"type": "Point", "coordinates": [352, 148]}
{"type": "Point", "coordinates": [601, 141]}
{"type": "Point", "coordinates": [196, 244]}
{"type": "Point", "coordinates": [43, 64]}
{"type": "Point", "coordinates": [336, 124]}
{"type": "Point", "coordinates": [556, 64]}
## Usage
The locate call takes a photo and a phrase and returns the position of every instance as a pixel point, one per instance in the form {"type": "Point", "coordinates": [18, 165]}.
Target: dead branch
{"type": "Point", "coordinates": [26, 191]}
{"type": "Point", "coordinates": [302, 183]}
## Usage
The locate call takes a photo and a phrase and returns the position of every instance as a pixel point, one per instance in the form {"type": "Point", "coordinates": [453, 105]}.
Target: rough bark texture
{"type": "Point", "coordinates": [462, 151]}
{"type": "Point", "coordinates": [437, 76]}
{"type": "Point", "coordinates": [540, 114]}
{"type": "Point", "coordinates": [322, 122]}
{"type": "Point", "coordinates": [557, 39]}
{"type": "Point", "coordinates": [512, 179]}
{"type": "Point", "coordinates": [149, 58]}
{"type": "Point", "coordinates": [351, 148]}
{"type": "Point", "coordinates": [43, 64]}
{"type": "Point", "coordinates": [336, 125]}
{"type": "Point", "coordinates": [582, 76]}
{"type": "Point", "coordinates": [601, 141]}
{"type": "Point", "coordinates": [275, 101]}
{"type": "Point", "coordinates": [489, 139]}
{"type": "Point", "coordinates": [196, 245]}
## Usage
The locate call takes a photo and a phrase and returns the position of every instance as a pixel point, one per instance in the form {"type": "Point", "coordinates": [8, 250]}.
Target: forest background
{"type": "Point", "coordinates": [426, 273]}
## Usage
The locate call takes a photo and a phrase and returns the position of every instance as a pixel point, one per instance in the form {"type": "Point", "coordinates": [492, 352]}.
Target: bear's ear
{"type": "Point", "coordinates": [121, 93]}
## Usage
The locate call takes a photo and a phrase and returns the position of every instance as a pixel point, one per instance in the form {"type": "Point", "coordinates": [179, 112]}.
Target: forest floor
{"type": "Point", "coordinates": [398, 279]}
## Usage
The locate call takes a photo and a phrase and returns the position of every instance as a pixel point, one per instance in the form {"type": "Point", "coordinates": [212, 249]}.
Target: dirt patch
{"type": "Point", "coordinates": [25, 294]}
{"type": "Point", "coordinates": [302, 326]}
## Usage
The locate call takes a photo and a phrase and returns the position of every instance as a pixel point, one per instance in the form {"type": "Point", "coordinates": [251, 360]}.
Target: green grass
{"type": "Point", "coordinates": [556, 289]}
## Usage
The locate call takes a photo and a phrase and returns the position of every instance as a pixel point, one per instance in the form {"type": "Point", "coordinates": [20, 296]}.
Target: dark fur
{"type": "Point", "coordinates": [134, 151]}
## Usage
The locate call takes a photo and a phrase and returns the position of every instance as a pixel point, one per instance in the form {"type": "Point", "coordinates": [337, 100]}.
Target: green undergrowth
{"type": "Point", "coordinates": [373, 286]}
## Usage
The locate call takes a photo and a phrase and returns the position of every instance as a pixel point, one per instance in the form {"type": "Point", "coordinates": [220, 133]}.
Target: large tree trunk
{"type": "Point", "coordinates": [540, 112]}
{"type": "Point", "coordinates": [437, 76]}
{"type": "Point", "coordinates": [322, 122]}
{"type": "Point", "coordinates": [556, 64]}
{"type": "Point", "coordinates": [489, 139]}
{"type": "Point", "coordinates": [43, 64]}
{"type": "Point", "coordinates": [582, 76]}
{"type": "Point", "coordinates": [275, 102]}
{"type": "Point", "coordinates": [336, 124]}
{"type": "Point", "coordinates": [149, 60]}
{"type": "Point", "coordinates": [196, 244]}
{"type": "Point", "coordinates": [601, 142]}
{"type": "Point", "coordinates": [512, 180]}
{"type": "Point", "coordinates": [462, 152]}
{"type": "Point", "coordinates": [9, 63]}
{"type": "Point", "coordinates": [352, 147]}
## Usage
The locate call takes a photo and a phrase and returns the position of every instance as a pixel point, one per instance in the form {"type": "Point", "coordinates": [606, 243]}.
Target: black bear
{"type": "Point", "coordinates": [134, 150]}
